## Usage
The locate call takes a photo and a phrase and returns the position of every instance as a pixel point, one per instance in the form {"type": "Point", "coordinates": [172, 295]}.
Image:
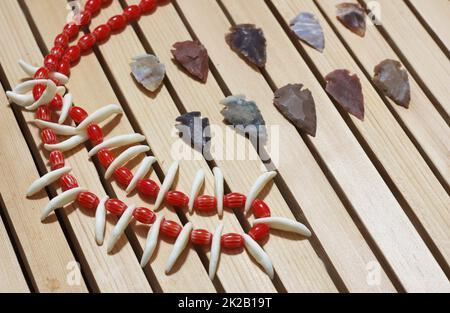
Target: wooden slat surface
{"type": "Point", "coordinates": [372, 191]}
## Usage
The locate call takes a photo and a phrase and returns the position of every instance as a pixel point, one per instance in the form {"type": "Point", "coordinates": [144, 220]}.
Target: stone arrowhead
{"type": "Point", "coordinates": [249, 42]}
{"type": "Point", "coordinates": [307, 28]}
{"type": "Point", "coordinates": [193, 57]}
{"type": "Point", "coordinates": [393, 81]}
{"type": "Point", "coordinates": [352, 16]}
{"type": "Point", "coordinates": [148, 71]}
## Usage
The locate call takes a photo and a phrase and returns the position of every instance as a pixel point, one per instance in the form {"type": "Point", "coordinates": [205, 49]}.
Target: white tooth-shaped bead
{"type": "Point", "coordinates": [28, 68]}
{"type": "Point", "coordinates": [100, 221]}
{"type": "Point", "coordinates": [61, 200]}
{"type": "Point", "coordinates": [100, 115]}
{"type": "Point", "coordinates": [259, 184]}
{"type": "Point", "coordinates": [28, 85]}
{"type": "Point", "coordinates": [120, 227]}
{"type": "Point", "coordinates": [218, 186]}
{"type": "Point", "coordinates": [285, 224]}
{"type": "Point", "coordinates": [64, 130]}
{"type": "Point", "coordinates": [143, 169]}
{"type": "Point", "coordinates": [167, 184]}
{"type": "Point", "coordinates": [61, 90]}
{"type": "Point", "coordinates": [63, 79]}
{"type": "Point", "coordinates": [179, 245]}
{"type": "Point", "coordinates": [199, 179]}
{"type": "Point", "coordinates": [259, 255]}
{"type": "Point", "coordinates": [46, 180]}
{"type": "Point", "coordinates": [47, 96]}
{"type": "Point", "coordinates": [152, 241]}
{"type": "Point", "coordinates": [124, 157]}
{"type": "Point", "coordinates": [20, 100]}
{"type": "Point", "coordinates": [67, 104]}
{"type": "Point", "coordinates": [116, 142]}
{"type": "Point", "coordinates": [215, 252]}
{"type": "Point", "coordinates": [67, 144]}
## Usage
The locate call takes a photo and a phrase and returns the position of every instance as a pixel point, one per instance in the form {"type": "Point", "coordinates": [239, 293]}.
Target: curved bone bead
{"type": "Point", "coordinates": [46, 180]}
{"type": "Point", "coordinates": [167, 184]}
{"type": "Point", "coordinates": [61, 200]}
{"type": "Point", "coordinates": [285, 224]}
{"type": "Point", "coordinates": [116, 142]}
{"type": "Point", "coordinates": [67, 144]}
{"type": "Point", "coordinates": [195, 189]}
{"type": "Point", "coordinates": [259, 255]}
{"type": "Point", "coordinates": [143, 169]}
{"type": "Point", "coordinates": [152, 240]}
{"type": "Point", "coordinates": [259, 184]}
{"type": "Point", "coordinates": [124, 157]}
{"type": "Point", "coordinates": [63, 79]}
{"type": "Point", "coordinates": [215, 251]}
{"type": "Point", "coordinates": [179, 246]}
{"type": "Point", "coordinates": [28, 85]}
{"type": "Point", "coordinates": [47, 96]}
{"type": "Point", "coordinates": [58, 129]}
{"type": "Point", "coordinates": [218, 185]}
{"type": "Point", "coordinates": [100, 115]}
{"type": "Point", "coordinates": [67, 104]}
{"type": "Point", "coordinates": [100, 221]}
{"type": "Point", "coordinates": [120, 227]}
{"type": "Point", "coordinates": [20, 100]}
{"type": "Point", "coordinates": [28, 68]}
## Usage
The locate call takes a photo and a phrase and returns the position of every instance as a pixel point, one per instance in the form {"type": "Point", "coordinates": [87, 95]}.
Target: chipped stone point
{"type": "Point", "coordinates": [193, 57]}
{"type": "Point", "coordinates": [249, 42]}
{"type": "Point", "coordinates": [307, 27]}
{"type": "Point", "coordinates": [352, 16]}
{"type": "Point", "coordinates": [393, 81]}
{"type": "Point", "coordinates": [148, 71]}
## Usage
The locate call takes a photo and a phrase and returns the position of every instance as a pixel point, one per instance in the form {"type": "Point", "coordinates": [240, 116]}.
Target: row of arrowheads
{"type": "Point", "coordinates": [294, 102]}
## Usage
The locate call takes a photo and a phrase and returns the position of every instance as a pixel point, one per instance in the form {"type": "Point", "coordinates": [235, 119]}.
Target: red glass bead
{"type": "Point", "coordinates": [38, 90]}
{"type": "Point", "coordinates": [105, 157]}
{"type": "Point", "coordinates": [64, 67]}
{"type": "Point", "coordinates": [93, 6]}
{"type": "Point", "coordinates": [102, 32]}
{"type": "Point", "coordinates": [72, 54]}
{"type": "Point", "coordinates": [95, 133]}
{"type": "Point", "coordinates": [201, 237]}
{"type": "Point", "coordinates": [88, 200]}
{"type": "Point", "coordinates": [44, 113]}
{"type": "Point", "coordinates": [84, 18]}
{"type": "Point", "coordinates": [57, 102]}
{"type": "Point", "coordinates": [148, 5]}
{"type": "Point", "coordinates": [205, 203]}
{"type": "Point", "coordinates": [260, 208]}
{"type": "Point", "coordinates": [147, 187]}
{"type": "Point", "coordinates": [71, 30]}
{"type": "Point", "coordinates": [86, 42]}
{"type": "Point", "coordinates": [144, 215]}
{"type": "Point", "coordinates": [123, 176]}
{"type": "Point", "coordinates": [232, 241]}
{"type": "Point", "coordinates": [132, 12]}
{"type": "Point", "coordinates": [48, 136]}
{"type": "Point", "coordinates": [61, 40]}
{"type": "Point", "coordinates": [77, 114]}
{"type": "Point", "coordinates": [177, 199]}
{"type": "Point", "coordinates": [68, 181]}
{"type": "Point", "coordinates": [56, 159]}
{"type": "Point", "coordinates": [234, 200]}
{"type": "Point", "coordinates": [115, 206]}
{"type": "Point", "coordinates": [51, 62]}
{"type": "Point", "coordinates": [259, 231]}
{"type": "Point", "coordinates": [42, 73]}
{"type": "Point", "coordinates": [58, 52]}
{"type": "Point", "coordinates": [170, 228]}
{"type": "Point", "coordinates": [117, 22]}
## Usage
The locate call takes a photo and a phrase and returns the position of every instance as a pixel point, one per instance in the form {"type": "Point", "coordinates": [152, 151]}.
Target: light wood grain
{"type": "Point", "coordinates": [421, 51]}
{"type": "Point", "coordinates": [421, 119]}
{"type": "Point", "coordinates": [119, 272]}
{"type": "Point", "coordinates": [192, 274]}
{"type": "Point", "coordinates": [394, 150]}
{"type": "Point", "coordinates": [436, 16]}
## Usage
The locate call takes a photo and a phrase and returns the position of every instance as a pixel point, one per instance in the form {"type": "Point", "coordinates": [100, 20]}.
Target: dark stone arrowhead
{"type": "Point", "coordinates": [193, 57]}
{"type": "Point", "coordinates": [352, 16]}
{"type": "Point", "coordinates": [194, 130]}
{"type": "Point", "coordinates": [393, 81]}
{"type": "Point", "coordinates": [298, 106]}
{"type": "Point", "coordinates": [347, 91]}
{"type": "Point", "coordinates": [249, 42]}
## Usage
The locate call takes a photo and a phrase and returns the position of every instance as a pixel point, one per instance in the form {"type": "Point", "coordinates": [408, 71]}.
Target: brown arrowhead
{"type": "Point", "coordinates": [298, 106]}
{"type": "Point", "coordinates": [352, 16]}
{"type": "Point", "coordinates": [193, 57]}
{"type": "Point", "coordinates": [249, 42]}
{"type": "Point", "coordinates": [393, 81]}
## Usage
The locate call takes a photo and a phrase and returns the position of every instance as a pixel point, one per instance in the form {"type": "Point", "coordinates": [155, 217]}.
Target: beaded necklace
{"type": "Point", "coordinates": [46, 93]}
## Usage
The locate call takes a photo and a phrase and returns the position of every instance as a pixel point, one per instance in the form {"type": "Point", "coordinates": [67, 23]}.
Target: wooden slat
{"type": "Point", "coordinates": [88, 73]}
{"type": "Point", "coordinates": [421, 119]}
{"type": "Point", "coordinates": [350, 166]}
{"type": "Point", "coordinates": [120, 272]}
{"type": "Point", "coordinates": [305, 275]}
{"type": "Point", "coordinates": [436, 16]}
{"type": "Point", "coordinates": [43, 248]}
{"type": "Point", "coordinates": [394, 150]}
{"type": "Point", "coordinates": [425, 56]}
